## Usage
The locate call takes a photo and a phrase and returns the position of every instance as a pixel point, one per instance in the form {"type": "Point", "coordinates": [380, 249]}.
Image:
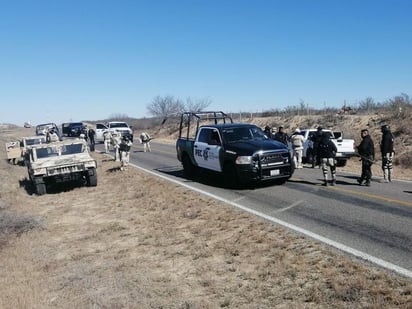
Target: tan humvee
{"type": "Point", "coordinates": [61, 161]}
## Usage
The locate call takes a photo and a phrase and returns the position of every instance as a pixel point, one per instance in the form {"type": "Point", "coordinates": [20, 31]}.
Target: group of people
{"type": "Point", "coordinates": [366, 151]}
{"type": "Point", "coordinates": [122, 146]}
{"type": "Point", "coordinates": [88, 134]}
{"type": "Point", "coordinates": [325, 152]}
{"type": "Point", "coordinates": [296, 140]}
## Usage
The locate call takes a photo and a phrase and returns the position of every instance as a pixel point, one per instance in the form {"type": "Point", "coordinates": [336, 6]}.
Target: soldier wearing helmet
{"type": "Point", "coordinates": [116, 140]}
{"type": "Point", "coordinates": [124, 149]}
{"type": "Point", "coordinates": [387, 152]}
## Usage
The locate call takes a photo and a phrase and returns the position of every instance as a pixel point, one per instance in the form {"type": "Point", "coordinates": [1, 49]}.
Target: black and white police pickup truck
{"type": "Point", "coordinates": [239, 151]}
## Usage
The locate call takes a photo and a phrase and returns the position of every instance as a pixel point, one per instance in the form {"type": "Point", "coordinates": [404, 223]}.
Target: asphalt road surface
{"type": "Point", "coordinates": [374, 222]}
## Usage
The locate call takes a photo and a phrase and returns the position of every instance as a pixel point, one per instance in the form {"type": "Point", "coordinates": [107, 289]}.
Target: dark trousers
{"type": "Point", "coordinates": [366, 170]}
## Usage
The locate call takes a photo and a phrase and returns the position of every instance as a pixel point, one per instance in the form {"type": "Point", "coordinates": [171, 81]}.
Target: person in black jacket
{"type": "Point", "coordinates": [366, 150]}
{"type": "Point", "coordinates": [268, 132]}
{"type": "Point", "coordinates": [315, 138]}
{"type": "Point", "coordinates": [281, 136]}
{"type": "Point", "coordinates": [387, 153]}
{"type": "Point", "coordinates": [326, 151]}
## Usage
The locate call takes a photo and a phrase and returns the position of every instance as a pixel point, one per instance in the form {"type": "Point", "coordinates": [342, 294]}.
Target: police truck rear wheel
{"type": "Point", "coordinates": [188, 168]}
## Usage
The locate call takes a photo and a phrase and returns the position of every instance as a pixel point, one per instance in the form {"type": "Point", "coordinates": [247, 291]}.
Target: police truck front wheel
{"type": "Point", "coordinates": [230, 177]}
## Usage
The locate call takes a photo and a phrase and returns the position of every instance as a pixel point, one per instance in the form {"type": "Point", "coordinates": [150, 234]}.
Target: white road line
{"type": "Point", "coordinates": [400, 270]}
{"type": "Point", "coordinates": [239, 199]}
{"type": "Point", "coordinates": [289, 207]}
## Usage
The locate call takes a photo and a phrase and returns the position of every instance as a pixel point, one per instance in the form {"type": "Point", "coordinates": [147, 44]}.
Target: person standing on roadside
{"type": "Point", "coordinates": [145, 139]}
{"type": "Point", "coordinates": [326, 152]}
{"type": "Point", "coordinates": [115, 141]}
{"type": "Point", "coordinates": [297, 140]}
{"type": "Point", "coordinates": [107, 136]}
{"type": "Point", "coordinates": [315, 143]}
{"type": "Point", "coordinates": [124, 148]}
{"type": "Point", "coordinates": [91, 133]}
{"type": "Point", "coordinates": [281, 136]}
{"type": "Point", "coordinates": [387, 153]}
{"type": "Point", "coordinates": [268, 132]}
{"type": "Point", "coordinates": [366, 150]}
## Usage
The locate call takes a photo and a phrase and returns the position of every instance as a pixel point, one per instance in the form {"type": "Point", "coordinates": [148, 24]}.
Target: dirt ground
{"type": "Point", "coordinates": [136, 241]}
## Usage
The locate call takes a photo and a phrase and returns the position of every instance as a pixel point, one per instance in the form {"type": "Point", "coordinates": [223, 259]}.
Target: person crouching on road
{"type": "Point", "coordinates": [107, 136]}
{"type": "Point", "coordinates": [124, 148]}
{"type": "Point", "coordinates": [115, 141]}
{"type": "Point", "coordinates": [327, 152]}
{"type": "Point", "coordinates": [297, 146]}
{"type": "Point", "coordinates": [145, 138]}
{"type": "Point", "coordinates": [366, 150]}
{"type": "Point", "coordinates": [387, 153]}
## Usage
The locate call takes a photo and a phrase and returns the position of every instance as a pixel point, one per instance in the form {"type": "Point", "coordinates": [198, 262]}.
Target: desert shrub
{"type": "Point", "coordinates": [404, 160]}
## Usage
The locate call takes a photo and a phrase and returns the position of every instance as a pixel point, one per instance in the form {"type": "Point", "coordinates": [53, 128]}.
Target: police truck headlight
{"type": "Point", "coordinates": [244, 160]}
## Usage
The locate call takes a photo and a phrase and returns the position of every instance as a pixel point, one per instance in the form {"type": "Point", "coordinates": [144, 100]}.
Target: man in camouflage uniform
{"type": "Point", "coordinates": [52, 136]}
{"type": "Point", "coordinates": [145, 138]}
{"type": "Point", "coordinates": [115, 141]}
{"type": "Point", "coordinates": [124, 149]}
{"type": "Point", "coordinates": [107, 136]}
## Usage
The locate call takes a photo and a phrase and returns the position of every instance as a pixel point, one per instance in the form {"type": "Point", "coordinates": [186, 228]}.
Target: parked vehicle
{"type": "Point", "coordinates": [100, 129]}
{"type": "Point", "coordinates": [239, 151]}
{"type": "Point", "coordinates": [73, 129]}
{"type": "Point", "coordinates": [119, 126]}
{"type": "Point", "coordinates": [346, 147]}
{"type": "Point", "coordinates": [42, 129]}
{"type": "Point", "coordinates": [61, 161]}
{"type": "Point", "coordinates": [16, 150]}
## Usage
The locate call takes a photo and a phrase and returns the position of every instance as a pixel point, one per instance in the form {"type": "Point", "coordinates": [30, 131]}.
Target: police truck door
{"type": "Point", "coordinates": [206, 149]}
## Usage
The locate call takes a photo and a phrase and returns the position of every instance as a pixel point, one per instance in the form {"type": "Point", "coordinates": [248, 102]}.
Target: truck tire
{"type": "Point", "coordinates": [92, 179]}
{"type": "Point", "coordinates": [341, 163]}
{"type": "Point", "coordinates": [188, 167]}
{"type": "Point", "coordinates": [41, 188]}
{"type": "Point", "coordinates": [230, 177]}
{"type": "Point", "coordinates": [309, 156]}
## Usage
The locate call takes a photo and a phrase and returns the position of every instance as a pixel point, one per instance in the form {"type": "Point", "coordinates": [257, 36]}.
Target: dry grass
{"type": "Point", "coordinates": [136, 241]}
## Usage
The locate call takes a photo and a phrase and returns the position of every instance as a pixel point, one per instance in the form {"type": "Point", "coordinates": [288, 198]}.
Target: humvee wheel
{"type": "Point", "coordinates": [41, 188]}
{"type": "Point", "coordinates": [92, 179]}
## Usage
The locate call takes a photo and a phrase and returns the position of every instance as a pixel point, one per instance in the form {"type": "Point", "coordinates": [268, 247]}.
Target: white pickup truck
{"type": "Point", "coordinates": [346, 147]}
{"type": "Point", "coordinates": [119, 126]}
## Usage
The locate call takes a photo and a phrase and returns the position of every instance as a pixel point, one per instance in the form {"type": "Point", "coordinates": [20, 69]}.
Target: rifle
{"type": "Point", "coordinates": [365, 158]}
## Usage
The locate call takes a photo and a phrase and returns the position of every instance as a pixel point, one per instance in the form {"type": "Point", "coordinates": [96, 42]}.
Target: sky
{"type": "Point", "coordinates": [74, 60]}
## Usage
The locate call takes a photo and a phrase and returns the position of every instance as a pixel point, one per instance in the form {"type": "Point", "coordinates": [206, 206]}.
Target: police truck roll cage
{"type": "Point", "coordinates": [187, 118]}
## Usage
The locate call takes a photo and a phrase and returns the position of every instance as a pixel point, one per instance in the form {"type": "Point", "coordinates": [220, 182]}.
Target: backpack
{"type": "Point", "coordinates": [296, 140]}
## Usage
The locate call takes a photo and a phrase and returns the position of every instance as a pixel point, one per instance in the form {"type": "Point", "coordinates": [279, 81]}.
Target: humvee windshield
{"type": "Point", "coordinates": [34, 141]}
{"type": "Point", "coordinates": [58, 150]}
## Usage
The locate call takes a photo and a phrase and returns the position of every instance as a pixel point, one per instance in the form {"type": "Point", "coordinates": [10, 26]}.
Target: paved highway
{"type": "Point", "coordinates": [374, 222]}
